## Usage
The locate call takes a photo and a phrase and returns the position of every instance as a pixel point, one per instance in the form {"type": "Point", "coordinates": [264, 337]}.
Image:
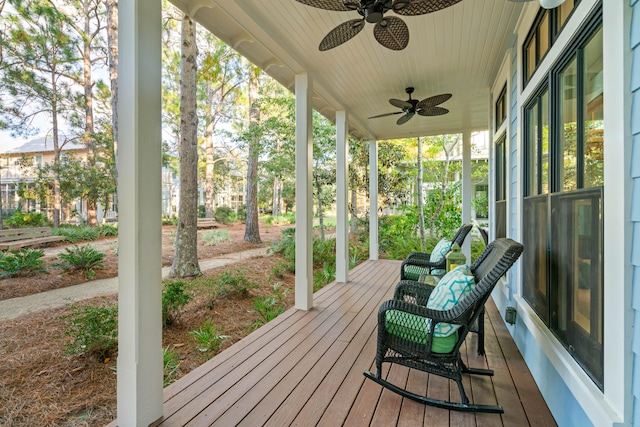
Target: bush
{"type": "Point", "coordinates": [24, 262]}
{"type": "Point", "coordinates": [108, 230]}
{"type": "Point", "coordinates": [94, 330]}
{"type": "Point", "coordinates": [169, 220]}
{"type": "Point", "coordinates": [241, 215]}
{"type": "Point", "coordinates": [174, 297]}
{"type": "Point", "coordinates": [78, 233]}
{"type": "Point", "coordinates": [287, 247]}
{"type": "Point", "coordinates": [28, 219]}
{"type": "Point", "coordinates": [84, 258]}
{"type": "Point", "coordinates": [224, 215]}
{"type": "Point", "coordinates": [268, 308]}
{"type": "Point", "coordinates": [233, 282]}
{"type": "Point", "coordinates": [208, 337]}
{"type": "Point", "coordinates": [214, 237]}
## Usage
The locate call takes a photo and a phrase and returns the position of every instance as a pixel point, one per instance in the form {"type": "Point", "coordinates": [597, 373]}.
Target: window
{"type": "Point", "coordinates": [563, 205]}
{"type": "Point", "coordinates": [543, 32]}
{"type": "Point", "coordinates": [501, 107]}
{"type": "Point", "coordinates": [501, 184]}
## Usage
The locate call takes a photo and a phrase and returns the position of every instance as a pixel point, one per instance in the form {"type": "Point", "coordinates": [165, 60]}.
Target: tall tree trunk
{"type": "Point", "coordinates": [57, 197]}
{"type": "Point", "coordinates": [252, 230]}
{"type": "Point", "coordinates": [423, 237]}
{"type": "Point", "coordinates": [354, 210]}
{"type": "Point", "coordinates": [210, 162]}
{"type": "Point", "coordinates": [112, 46]}
{"type": "Point", "coordinates": [185, 261]}
{"type": "Point", "coordinates": [89, 130]}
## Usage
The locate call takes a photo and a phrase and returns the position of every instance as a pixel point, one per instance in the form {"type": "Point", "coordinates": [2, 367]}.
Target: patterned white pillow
{"type": "Point", "coordinates": [439, 252]}
{"type": "Point", "coordinates": [451, 289]}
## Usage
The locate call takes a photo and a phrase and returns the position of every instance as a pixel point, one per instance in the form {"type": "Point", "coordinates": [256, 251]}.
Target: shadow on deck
{"type": "Point", "coordinates": [305, 368]}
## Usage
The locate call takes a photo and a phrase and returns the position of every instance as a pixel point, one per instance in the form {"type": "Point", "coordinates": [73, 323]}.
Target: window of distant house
{"type": "Point", "coordinates": [501, 186]}
{"type": "Point", "coordinates": [38, 160]}
{"type": "Point", "coordinates": [501, 107]}
{"type": "Point", "coordinates": [543, 32]}
{"type": "Point", "coordinates": [563, 267]}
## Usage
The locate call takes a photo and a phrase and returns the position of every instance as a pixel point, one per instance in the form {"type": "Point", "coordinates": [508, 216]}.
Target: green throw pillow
{"type": "Point", "coordinates": [410, 327]}
{"type": "Point", "coordinates": [451, 289]}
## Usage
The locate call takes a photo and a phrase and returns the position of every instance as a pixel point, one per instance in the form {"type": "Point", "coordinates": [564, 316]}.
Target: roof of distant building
{"type": "Point", "coordinates": [37, 145]}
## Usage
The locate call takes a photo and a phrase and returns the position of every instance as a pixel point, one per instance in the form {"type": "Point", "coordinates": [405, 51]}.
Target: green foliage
{"type": "Point", "coordinates": [26, 220]}
{"type": "Point", "coordinates": [242, 213]}
{"type": "Point", "coordinates": [174, 297]}
{"type": "Point", "coordinates": [481, 206]}
{"type": "Point", "coordinates": [233, 282]}
{"type": "Point", "coordinates": [224, 215]}
{"type": "Point", "coordinates": [287, 247]}
{"type": "Point", "coordinates": [108, 230]}
{"type": "Point", "coordinates": [208, 337]}
{"type": "Point", "coordinates": [170, 220]}
{"type": "Point", "coordinates": [23, 262]}
{"type": "Point", "coordinates": [268, 308]}
{"type": "Point", "coordinates": [214, 237]}
{"type": "Point", "coordinates": [171, 364]}
{"type": "Point", "coordinates": [93, 329]}
{"type": "Point", "coordinates": [84, 258]}
{"type": "Point", "coordinates": [324, 275]}
{"type": "Point", "coordinates": [323, 251]}
{"type": "Point", "coordinates": [80, 233]}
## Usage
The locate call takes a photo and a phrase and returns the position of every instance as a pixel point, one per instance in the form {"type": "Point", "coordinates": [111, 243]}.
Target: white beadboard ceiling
{"type": "Point", "coordinates": [456, 50]}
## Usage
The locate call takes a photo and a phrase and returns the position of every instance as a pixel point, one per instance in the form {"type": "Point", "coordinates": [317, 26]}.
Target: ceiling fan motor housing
{"type": "Point", "coordinates": [374, 10]}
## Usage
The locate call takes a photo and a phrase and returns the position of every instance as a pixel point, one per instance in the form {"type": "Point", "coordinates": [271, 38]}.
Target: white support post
{"type": "Point", "coordinates": [304, 194]}
{"type": "Point", "coordinates": [466, 189]}
{"type": "Point", "coordinates": [140, 371]}
{"type": "Point", "coordinates": [373, 200]}
{"type": "Point", "coordinates": [342, 218]}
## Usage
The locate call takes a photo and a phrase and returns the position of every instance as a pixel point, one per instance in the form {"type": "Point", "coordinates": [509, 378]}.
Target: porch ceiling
{"type": "Point", "coordinates": [457, 50]}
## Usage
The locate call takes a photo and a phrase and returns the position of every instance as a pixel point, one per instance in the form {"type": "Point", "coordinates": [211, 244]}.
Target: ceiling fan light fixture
{"type": "Point", "coordinates": [372, 14]}
{"type": "Point", "coordinates": [551, 4]}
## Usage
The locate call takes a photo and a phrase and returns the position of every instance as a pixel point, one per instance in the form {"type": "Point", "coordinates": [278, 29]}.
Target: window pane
{"type": "Point", "coordinates": [567, 173]}
{"type": "Point", "coordinates": [563, 12]}
{"type": "Point", "coordinates": [544, 122]}
{"type": "Point", "coordinates": [532, 149]}
{"type": "Point", "coordinates": [535, 261]}
{"type": "Point", "coordinates": [531, 57]}
{"type": "Point", "coordinates": [543, 36]}
{"type": "Point", "coordinates": [593, 113]}
{"type": "Point", "coordinates": [576, 276]}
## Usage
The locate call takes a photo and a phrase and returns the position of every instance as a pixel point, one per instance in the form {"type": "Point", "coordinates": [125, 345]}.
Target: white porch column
{"type": "Point", "coordinates": [466, 189]}
{"type": "Point", "coordinates": [373, 200]}
{"type": "Point", "coordinates": [140, 204]}
{"type": "Point", "coordinates": [304, 194]}
{"type": "Point", "coordinates": [342, 218]}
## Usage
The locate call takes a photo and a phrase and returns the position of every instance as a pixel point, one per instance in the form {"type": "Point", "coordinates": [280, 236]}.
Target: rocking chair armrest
{"type": "Point", "coordinates": [419, 256]}
{"type": "Point", "coordinates": [422, 263]}
{"type": "Point", "coordinates": [413, 291]}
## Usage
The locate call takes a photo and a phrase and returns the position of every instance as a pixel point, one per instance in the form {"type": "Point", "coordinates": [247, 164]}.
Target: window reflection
{"type": "Point", "coordinates": [568, 119]}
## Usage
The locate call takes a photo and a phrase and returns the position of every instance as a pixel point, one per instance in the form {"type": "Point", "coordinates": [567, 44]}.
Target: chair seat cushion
{"type": "Point", "coordinates": [439, 252]}
{"type": "Point", "coordinates": [411, 328]}
{"type": "Point", "coordinates": [451, 289]}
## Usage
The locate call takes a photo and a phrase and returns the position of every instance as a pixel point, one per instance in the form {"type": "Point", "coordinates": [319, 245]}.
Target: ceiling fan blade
{"type": "Point", "coordinates": [341, 34]}
{"type": "Point", "coordinates": [392, 33]}
{"type": "Point", "coordinates": [433, 101]}
{"type": "Point", "coordinates": [432, 111]}
{"type": "Point", "coordinates": [404, 119]}
{"type": "Point", "coordinates": [386, 114]}
{"type": "Point", "coordinates": [338, 5]}
{"type": "Point", "coordinates": [400, 103]}
{"type": "Point", "coordinates": [420, 7]}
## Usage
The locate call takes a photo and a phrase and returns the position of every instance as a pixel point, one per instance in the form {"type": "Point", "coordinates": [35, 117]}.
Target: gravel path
{"type": "Point", "coordinates": [16, 307]}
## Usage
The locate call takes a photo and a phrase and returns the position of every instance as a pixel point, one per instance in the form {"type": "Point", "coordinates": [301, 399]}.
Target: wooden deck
{"type": "Point", "coordinates": [305, 368]}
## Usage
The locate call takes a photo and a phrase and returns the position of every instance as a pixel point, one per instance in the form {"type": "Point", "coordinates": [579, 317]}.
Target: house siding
{"type": "Point", "coordinates": [634, 42]}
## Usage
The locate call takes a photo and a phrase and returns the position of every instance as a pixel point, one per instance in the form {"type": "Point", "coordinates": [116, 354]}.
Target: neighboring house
{"type": "Point", "coordinates": [36, 152]}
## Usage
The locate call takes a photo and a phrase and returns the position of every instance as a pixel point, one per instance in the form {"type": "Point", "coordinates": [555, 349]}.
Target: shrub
{"type": "Point", "coordinates": [169, 220]}
{"type": "Point", "coordinates": [171, 363]}
{"type": "Point", "coordinates": [108, 230]}
{"type": "Point", "coordinates": [208, 337]}
{"type": "Point", "coordinates": [268, 308]}
{"type": "Point", "coordinates": [241, 215]}
{"type": "Point", "coordinates": [77, 233]}
{"type": "Point", "coordinates": [84, 258]}
{"type": "Point", "coordinates": [28, 219]}
{"type": "Point", "coordinates": [24, 262]}
{"type": "Point", "coordinates": [94, 330]}
{"type": "Point", "coordinates": [234, 282]}
{"type": "Point", "coordinates": [324, 275]}
{"type": "Point", "coordinates": [224, 215]}
{"type": "Point", "coordinates": [287, 246]}
{"type": "Point", "coordinates": [174, 297]}
{"type": "Point", "coordinates": [214, 237]}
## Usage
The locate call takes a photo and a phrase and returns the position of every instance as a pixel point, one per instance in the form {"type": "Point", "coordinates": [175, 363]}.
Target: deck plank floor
{"type": "Point", "coordinates": [305, 368]}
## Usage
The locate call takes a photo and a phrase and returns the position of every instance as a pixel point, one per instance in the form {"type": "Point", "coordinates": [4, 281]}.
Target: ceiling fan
{"type": "Point", "coordinates": [389, 31]}
{"type": "Point", "coordinates": [426, 107]}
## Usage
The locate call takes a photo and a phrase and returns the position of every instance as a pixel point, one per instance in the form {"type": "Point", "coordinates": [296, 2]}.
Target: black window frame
{"type": "Point", "coordinates": [501, 107]}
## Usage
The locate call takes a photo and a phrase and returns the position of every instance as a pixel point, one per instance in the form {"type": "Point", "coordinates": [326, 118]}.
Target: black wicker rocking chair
{"type": "Point", "coordinates": [418, 263]}
{"type": "Point", "coordinates": [404, 337]}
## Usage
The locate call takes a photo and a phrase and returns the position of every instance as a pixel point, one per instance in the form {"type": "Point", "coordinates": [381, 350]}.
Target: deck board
{"type": "Point", "coordinates": [305, 368]}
